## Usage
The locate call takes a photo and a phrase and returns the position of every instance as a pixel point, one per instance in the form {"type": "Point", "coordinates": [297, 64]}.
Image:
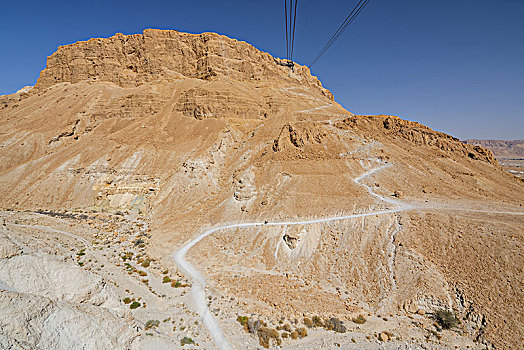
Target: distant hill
{"type": "Point", "coordinates": [501, 148]}
{"type": "Point", "coordinates": [510, 154]}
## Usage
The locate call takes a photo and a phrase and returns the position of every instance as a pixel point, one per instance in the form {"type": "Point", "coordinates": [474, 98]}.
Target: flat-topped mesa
{"type": "Point", "coordinates": [132, 60]}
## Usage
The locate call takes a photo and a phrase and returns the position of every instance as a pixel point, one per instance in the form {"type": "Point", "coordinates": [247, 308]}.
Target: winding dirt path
{"type": "Point", "coordinates": [199, 282]}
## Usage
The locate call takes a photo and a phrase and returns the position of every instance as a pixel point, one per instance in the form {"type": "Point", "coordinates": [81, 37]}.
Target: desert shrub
{"type": "Point", "coordinates": [287, 328]}
{"type": "Point", "coordinates": [446, 319]}
{"type": "Point", "coordinates": [126, 300]}
{"type": "Point", "coordinates": [308, 322]}
{"type": "Point", "coordinates": [243, 320]}
{"type": "Point", "coordinates": [302, 332]}
{"type": "Point", "coordinates": [285, 334]}
{"type": "Point", "coordinates": [265, 335]}
{"type": "Point", "coordinates": [294, 334]}
{"type": "Point", "coordinates": [336, 325]}
{"type": "Point", "coordinates": [152, 324]}
{"type": "Point", "coordinates": [317, 321]}
{"type": "Point", "coordinates": [253, 326]}
{"type": "Point", "coordinates": [165, 272]}
{"type": "Point", "coordinates": [142, 273]}
{"type": "Point", "coordinates": [361, 319]}
{"type": "Point", "coordinates": [166, 279]}
{"type": "Point", "coordinates": [146, 263]}
{"type": "Point", "coordinates": [186, 341]}
{"type": "Point", "coordinates": [176, 284]}
{"type": "Point", "coordinates": [134, 305]}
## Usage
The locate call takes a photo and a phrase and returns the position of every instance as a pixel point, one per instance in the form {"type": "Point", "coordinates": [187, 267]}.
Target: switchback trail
{"type": "Point", "coordinates": [199, 282]}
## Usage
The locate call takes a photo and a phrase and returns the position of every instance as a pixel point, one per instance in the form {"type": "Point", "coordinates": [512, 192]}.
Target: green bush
{"type": "Point", "coordinates": [152, 324]}
{"type": "Point", "coordinates": [242, 320]}
{"type": "Point", "coordinates": [446, 319]}
{"type": "Point", "coordinates": [134, 305]}
{"type": "Point", "coordinates": [186, 341]}
{"type": "Point", "coordinates": [166, 279]}
{"type": "Point", "coordinates": [361, 319]}
{"type": "Point", "coordinates": [126, 300]}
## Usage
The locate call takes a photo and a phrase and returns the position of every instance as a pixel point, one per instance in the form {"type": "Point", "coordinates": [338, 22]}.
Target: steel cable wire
{"type": "Point", "coordinates": [349, 19]}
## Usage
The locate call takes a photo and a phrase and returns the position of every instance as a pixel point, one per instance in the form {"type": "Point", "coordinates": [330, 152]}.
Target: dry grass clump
{"type": "Point", "coordinates": [302, 332]}
{"type": "Point", "coordinates": [332, 324]}
{"type": "Point", "coordinates": [267, 335]}
{"type": "Point", "coordinates": [253, 326]}
{"type": "Point", "coordinates": [317, 321]}
{"type": "Point", "coordinates": [308, 322]}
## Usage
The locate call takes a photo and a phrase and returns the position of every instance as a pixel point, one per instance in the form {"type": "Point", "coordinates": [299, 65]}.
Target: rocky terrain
{"type": "Point", "coordinates": [167, 189]}
{"type": "Point", "coordinates": [510, 154]}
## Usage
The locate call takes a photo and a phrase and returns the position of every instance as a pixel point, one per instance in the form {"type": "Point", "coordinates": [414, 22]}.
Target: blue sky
{"type": "Point", "coordinates": [454, 65]}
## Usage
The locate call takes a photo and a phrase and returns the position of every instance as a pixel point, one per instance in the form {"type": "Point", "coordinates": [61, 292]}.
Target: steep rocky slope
{"type": "Point", "coordinates": [188, 132]}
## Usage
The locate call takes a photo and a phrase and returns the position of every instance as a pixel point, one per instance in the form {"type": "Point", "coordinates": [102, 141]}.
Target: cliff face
{"type": "Point", "coordinates": [132, 60]}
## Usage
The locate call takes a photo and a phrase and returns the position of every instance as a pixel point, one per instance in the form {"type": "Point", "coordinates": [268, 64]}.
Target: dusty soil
{"type": "Point", "coordinates": [162, 135]}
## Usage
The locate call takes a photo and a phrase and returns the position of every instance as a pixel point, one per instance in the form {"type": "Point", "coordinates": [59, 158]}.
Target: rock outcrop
{"type": "Point", "coordinates": [132, 60]}
{"type": "Point", "coordinates": [187, 131]}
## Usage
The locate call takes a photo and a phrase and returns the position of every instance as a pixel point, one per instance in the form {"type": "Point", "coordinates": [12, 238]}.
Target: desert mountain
{"type": "Point", "coordinates": [139, 143]}
{"type": "Point", "coordinates": [501, 148]}
{"type": "Point", "coordinates": [510, 154]}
